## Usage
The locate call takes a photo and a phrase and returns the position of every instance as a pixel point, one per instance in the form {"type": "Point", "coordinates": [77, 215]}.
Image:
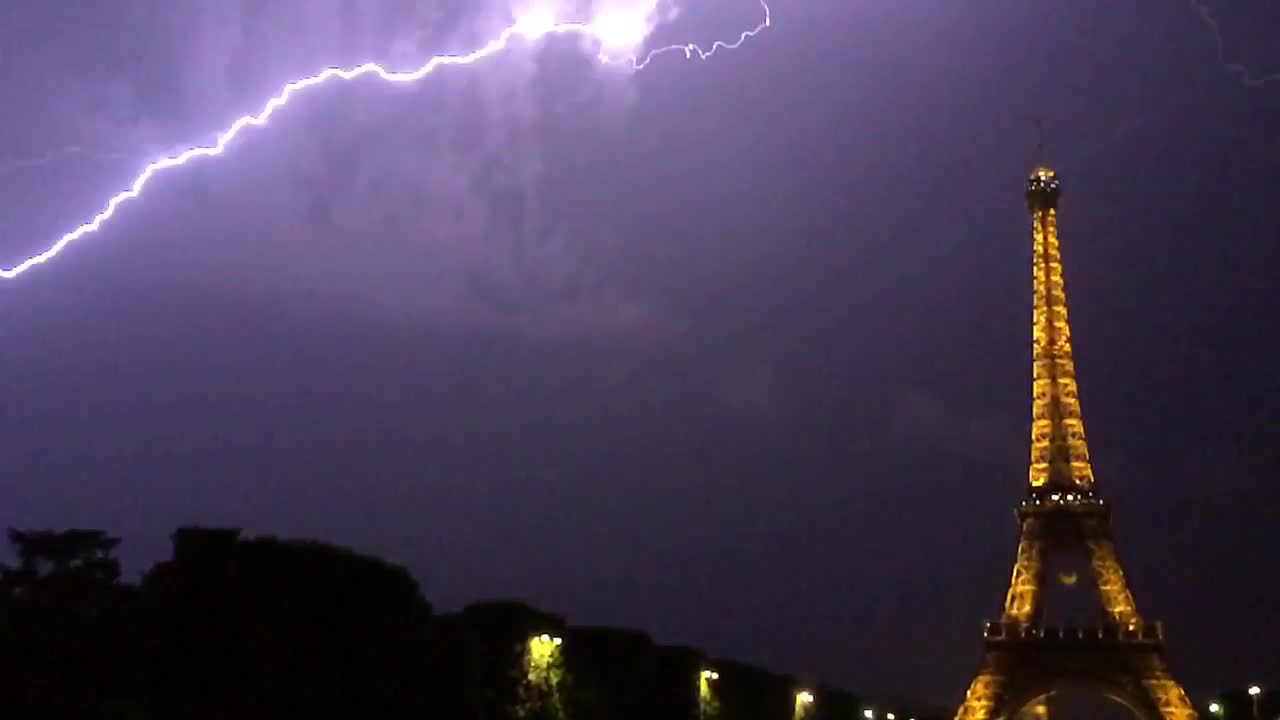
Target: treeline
{"type": "Point", "coordinates": [233, 627]}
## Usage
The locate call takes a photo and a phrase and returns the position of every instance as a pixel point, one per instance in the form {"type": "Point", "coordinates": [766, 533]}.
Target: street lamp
{"type": "Point", "coordinates": [1215, 708]}
{"type": "Point", "coordinates": [804, 699]}
{"type": "Point", "coordinates": [1255, 694]}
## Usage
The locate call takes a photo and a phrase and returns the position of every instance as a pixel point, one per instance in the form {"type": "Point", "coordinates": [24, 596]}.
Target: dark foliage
{"type": "Point", "coordinates": [248, 628]}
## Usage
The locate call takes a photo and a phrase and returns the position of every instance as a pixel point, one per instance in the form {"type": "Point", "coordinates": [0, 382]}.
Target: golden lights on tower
{"type": "Point", "coordinates": [1062, 517]}
{"type": "Point", "coordinates": [1059, 453]}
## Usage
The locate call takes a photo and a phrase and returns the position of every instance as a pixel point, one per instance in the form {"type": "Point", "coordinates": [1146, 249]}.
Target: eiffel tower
{"type": "Point", "coordinates": [1027, 659]}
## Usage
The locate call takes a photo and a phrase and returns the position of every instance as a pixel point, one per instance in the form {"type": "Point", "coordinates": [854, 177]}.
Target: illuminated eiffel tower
{"type": "Point", "coordinates": [1062, 522]}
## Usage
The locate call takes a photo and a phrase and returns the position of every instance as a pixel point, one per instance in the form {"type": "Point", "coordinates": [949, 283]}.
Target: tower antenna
{"type": "Point", "coordinates": [1040, 141]}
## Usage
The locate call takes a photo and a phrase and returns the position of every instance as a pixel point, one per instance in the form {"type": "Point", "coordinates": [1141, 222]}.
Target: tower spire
{"type": "Point", "coordinates": [1059, 453]}
{"type": "Point", "coordinates": [1040, 141]}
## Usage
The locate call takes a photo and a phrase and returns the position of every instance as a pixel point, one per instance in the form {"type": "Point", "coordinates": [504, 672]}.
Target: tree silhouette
{"type": "Point", "coordinates": [248, 628]}
{"type": "Point", "coordinates": [268, 628]}
{"type": "Point", "coordinates": [68, 569]}
{"type": "Point", "coordinates": [62, 624]}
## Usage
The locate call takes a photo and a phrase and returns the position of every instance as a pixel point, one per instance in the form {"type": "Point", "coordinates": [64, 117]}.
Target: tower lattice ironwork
{"type": "Point", "coordinates": [1026, 659]}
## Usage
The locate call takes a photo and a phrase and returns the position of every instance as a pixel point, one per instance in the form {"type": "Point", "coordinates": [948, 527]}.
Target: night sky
{"type": "Point", "coordinates": [736, 352]}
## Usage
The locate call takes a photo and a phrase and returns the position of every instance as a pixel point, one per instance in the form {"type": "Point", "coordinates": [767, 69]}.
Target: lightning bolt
{"type": "Point", "coordinates": [608, 32]}
{"type": "Point", "coordinates": [1246, 78]}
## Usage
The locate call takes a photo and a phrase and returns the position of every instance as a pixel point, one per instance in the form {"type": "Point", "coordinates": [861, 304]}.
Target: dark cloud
{"type": "Point", "coordinates": [735, 351]}
{"type": "Point", "coordinates": [433, 202]}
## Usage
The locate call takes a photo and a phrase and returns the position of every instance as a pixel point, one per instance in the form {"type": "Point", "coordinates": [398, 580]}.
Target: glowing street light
{"type": "Point", "coordinates": [869, 714]}
{"type": "Point", "coordinates": [1215, 708]}
{"type": "Point", "coordinates": [708, 703]}
{"type": "Point", "coordinates": [1255, 693]}
{"type": "Point", "coordinates": [804, 702]}
{"type": "Point", "coordinates": [545, 639]}
{"type": "Point", "coordinates": [542, 657]}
